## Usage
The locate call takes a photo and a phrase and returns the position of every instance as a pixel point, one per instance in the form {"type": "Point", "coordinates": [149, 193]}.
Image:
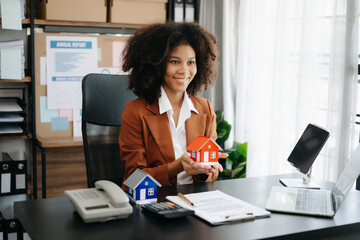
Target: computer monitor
{"type": "Point", "coordinates": [304, 154]}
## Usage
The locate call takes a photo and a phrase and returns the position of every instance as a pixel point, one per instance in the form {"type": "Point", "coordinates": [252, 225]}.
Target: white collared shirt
{"type": "Point", "coordinates": [178, 133]}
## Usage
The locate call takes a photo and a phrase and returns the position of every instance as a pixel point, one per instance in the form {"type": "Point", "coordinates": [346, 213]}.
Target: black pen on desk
{"type": "Point", "coordinates": [185, 199]}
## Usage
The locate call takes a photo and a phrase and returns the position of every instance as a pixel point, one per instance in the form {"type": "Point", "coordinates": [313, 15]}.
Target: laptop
{"type": "Point", "coordinates": [316, 202]}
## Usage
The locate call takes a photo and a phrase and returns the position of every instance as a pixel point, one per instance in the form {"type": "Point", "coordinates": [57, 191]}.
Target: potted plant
{"type": "Point", "coordinates": [235, 164]}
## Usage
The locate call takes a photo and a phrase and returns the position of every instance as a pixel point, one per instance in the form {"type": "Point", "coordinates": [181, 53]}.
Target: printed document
{"type": "Point", "coordinates": [217, 207]}
{"type": "Point", "coordinates": [68, 60]}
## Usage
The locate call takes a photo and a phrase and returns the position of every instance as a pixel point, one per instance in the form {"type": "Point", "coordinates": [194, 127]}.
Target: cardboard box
{"type": "Point", "coordinates": [137, 11]}
{"type": "Point", "coordinates": [72, 10]}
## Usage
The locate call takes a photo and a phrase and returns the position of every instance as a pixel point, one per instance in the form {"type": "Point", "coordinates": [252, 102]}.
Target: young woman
{"type": "Point", "coordinates": [169, 64]}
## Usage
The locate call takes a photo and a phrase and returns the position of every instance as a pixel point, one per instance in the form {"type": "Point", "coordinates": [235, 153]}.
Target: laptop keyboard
{"type": "Point", "coordinates": [311, 201]}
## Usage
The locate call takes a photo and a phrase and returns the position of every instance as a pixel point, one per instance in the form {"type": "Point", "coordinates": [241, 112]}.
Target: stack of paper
{"type": "Point", "coordinates": [11, 116]}
{"type": "Point", "coordinates": [6, 128]}
{"type": "Point", "coordinates": [9, 105]}
{"type": "Point", "coordinates": [22, 8]}
{"type": "Point", "coordinates": [12, 60]}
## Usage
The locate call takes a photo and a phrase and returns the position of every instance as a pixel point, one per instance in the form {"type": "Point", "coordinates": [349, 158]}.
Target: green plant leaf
{"type": "Point", "coordinates": [237, 154]}
{"type": "Point", "coordinates": [235, 173]}
{"type": "Point", "coordinates": [229, 161]}
{"type": "Point", "coordinates": [240, 166]}
{"type": "Point", "coordinates": [227, 173]}
{"type": "Point", "coordinates": [221, 133]}
{"type": "Point", "coordinates": [242, 159]}
{"type": "Point", "coordinates": [224, 129]}
{"type": "Point", "coordinates": [239, 171]}
{"type": "Point", "coordinates": [235, 149]}
{"type": "Point", "coordinates": [242, 149]}
{"type": "Point", "coordinates": [219, 116]}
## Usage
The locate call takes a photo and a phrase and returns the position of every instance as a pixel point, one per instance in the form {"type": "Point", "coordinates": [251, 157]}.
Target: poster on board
{"type": "Point", "coordinates": [68, 60]}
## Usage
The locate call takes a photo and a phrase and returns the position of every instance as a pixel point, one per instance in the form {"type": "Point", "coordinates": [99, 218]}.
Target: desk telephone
{"type": "Point", "coordinates": [105, 202]}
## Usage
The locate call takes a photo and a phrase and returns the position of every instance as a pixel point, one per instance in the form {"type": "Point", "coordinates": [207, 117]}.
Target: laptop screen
{"type": "Point", "coordinates": [347, 178]}
{"type": "Point", "coordinates": [308, 147]}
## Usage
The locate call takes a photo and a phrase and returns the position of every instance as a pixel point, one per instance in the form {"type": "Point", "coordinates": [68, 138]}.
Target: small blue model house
{"type": "Point", "coordinates": [142, 187]}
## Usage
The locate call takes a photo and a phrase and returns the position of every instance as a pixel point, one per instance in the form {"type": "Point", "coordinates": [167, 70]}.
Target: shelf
{"type": "Point", "coordinates": [85, 27]}
{"type": "Point", "coordinates": [13, 137]}
{"type": "Point", "coordinates": [42, 22]}
{"type": "Point", "coordinates": [25, 79]}
{"type": "Point", "coordinates": [57, 142]}
{"type": "Point", "coordinates": [82, 27]}
{"type": "Point", "coordinates": [24, 21]}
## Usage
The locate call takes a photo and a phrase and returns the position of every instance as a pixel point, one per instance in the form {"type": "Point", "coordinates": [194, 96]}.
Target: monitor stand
{"type": "Point", "coordinates": [305, 182]}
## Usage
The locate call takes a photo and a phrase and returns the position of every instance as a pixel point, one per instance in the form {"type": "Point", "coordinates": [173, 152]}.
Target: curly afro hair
{"type": "Point", "coordinates": [147, 52]}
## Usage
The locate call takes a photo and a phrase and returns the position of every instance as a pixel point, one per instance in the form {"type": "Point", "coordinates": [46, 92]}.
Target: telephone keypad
{"type": "Point", "coordinates": [87, 194]}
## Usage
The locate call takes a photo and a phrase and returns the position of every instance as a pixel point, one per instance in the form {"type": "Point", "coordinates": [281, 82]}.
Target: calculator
{"type": "Point", "coordinates": [166, 210]}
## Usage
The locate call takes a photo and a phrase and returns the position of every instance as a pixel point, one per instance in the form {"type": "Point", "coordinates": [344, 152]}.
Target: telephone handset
{"type": "Point", "coordinates": [105, 202]}
{"type": "Point", "coordinates": [117, 196]}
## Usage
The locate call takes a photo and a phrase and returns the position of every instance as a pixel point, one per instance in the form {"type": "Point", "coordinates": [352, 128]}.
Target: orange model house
{"type": "Point", "coordinates": [204, 150]}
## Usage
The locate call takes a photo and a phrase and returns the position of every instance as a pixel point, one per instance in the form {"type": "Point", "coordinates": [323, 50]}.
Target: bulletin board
{"type": "Point", "coordinates": [107, 56]}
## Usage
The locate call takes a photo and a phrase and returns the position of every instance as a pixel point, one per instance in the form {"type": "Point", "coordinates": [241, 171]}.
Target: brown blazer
{"type": "Point", "coordinates": [145, 138]}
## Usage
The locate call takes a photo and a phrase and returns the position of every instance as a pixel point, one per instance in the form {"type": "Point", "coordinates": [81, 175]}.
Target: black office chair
{"type": "Point", "coordinates": [357, 186]}
{"type": "Point", "coordinates": [104, 99]}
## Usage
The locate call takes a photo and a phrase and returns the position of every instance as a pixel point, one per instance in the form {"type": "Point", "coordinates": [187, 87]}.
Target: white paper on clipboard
{"type": "Point", "coordinates": [217, 207]}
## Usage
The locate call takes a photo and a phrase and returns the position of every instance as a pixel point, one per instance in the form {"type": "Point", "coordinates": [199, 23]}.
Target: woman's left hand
{"type": "Point", "coordinates": [217, 167]}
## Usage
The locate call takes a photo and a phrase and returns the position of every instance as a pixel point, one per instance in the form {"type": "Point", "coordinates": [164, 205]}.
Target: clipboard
{"type": "Point", "coordinates": [217, 208]}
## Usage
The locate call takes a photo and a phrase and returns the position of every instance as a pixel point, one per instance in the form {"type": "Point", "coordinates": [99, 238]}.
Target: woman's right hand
{"type": "Point", "coordinates": [192, 167]}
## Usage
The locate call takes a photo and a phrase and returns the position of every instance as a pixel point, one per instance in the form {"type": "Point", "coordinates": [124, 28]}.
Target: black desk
{"type": "Point", "coordinates": [53, 218]}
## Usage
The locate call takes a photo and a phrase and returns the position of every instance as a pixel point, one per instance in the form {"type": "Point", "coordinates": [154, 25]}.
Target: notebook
{"type": "Point", "coordinates": [316, 202]}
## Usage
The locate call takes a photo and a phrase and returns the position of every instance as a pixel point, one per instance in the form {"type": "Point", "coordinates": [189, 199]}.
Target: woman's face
{"type": "Point", "coordinates": [180, 69]}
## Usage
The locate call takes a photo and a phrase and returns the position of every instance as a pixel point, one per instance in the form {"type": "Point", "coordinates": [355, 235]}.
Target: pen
{"type": "Point", "coordinates": [185, 199]}
{"type": "Point", "coordinates": [248, 217]}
